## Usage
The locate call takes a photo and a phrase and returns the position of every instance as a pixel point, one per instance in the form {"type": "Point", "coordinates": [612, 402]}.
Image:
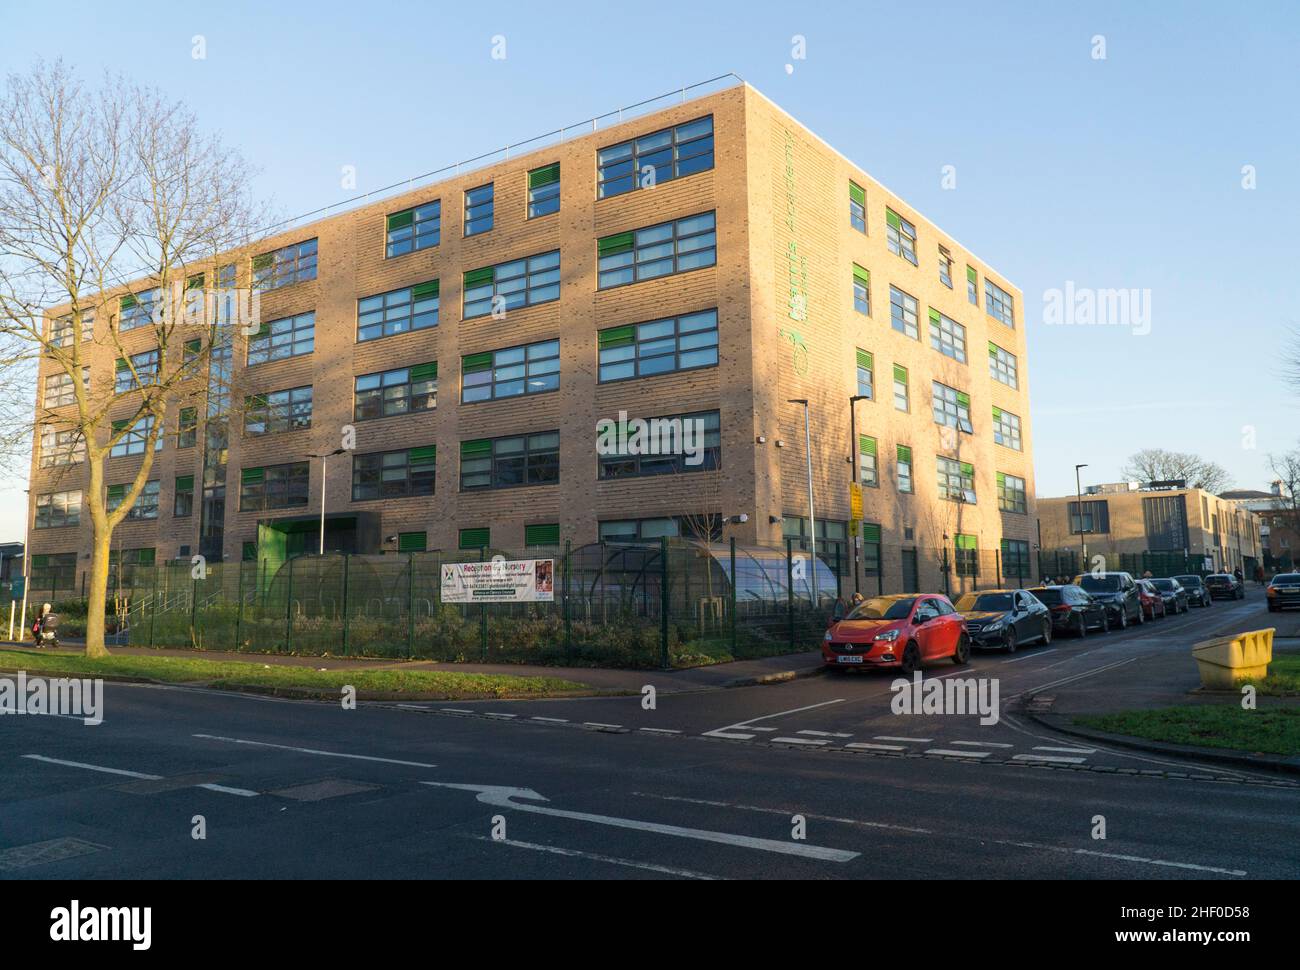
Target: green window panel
{"type": "Point", "coordinates": [546, 534]}
{"type": "Point", "coordinates": [425, 455]}
{"type": "Point", "coordinates": [126, 303]}
{"type": "Point", "coordinates": [184, 483]}
{"type": "Point", "coordinates": [425, 291]}
{"type": "Point", "coordinates": [544, 176]}
{"type": "Point", "coordinates": [424, 372]}
{"type": "Point", "coordinates": [252, 475]}
{"type": "Point", "coordinates": [966, 542]}
{"type": "Point", "coordinates": [866, 444]}
{"type": "Point", "coordinates": [865, 359]}
{"type": "Point", "coordinates": [967, 471]}
{"type": "Point", "coordinates": [1002, 480]}
{"type": "Point", "coordinates": [411, 542]}
{"type": "Point", "coordinates": [623, 242]}
{"type": "Point", "coordinates": [862, 275]}
{"type": "Point", "coordinates": [857, 193]}
{"type": "Point", "coordinates": [905, 454]}
{"type": "Point", "coordinates": [480, 277]}
{"type": "Point", "coordinates": [476, 362]}
{"type": "Point", "coordinates": [900, 373]}
{"type": "Point", "coordinates": [871, 532]}
{"type": "Point", "coordinates": [116, 493]}
{"type": "Point", "coordinates": [891, 217]}
{"type": "Point", "coordinates": [997, 413]}
{"type": "Point", "coordinates": [963, 399]}
{"type": "Point", "coordinates": [476, 449]}
{"type": "Point", "coordinates": [617, 336]}
{"type": "Point", "coordinates": [970, 274]}
{"type": "Point", "coordinates": [400, 220]}
{"type": "Point", "coordinates": [475, 538]}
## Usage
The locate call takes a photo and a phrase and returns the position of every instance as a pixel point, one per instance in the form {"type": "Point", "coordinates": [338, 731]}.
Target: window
{"type": "Point", "coordinates": [418, 228]}
{"type": "Point", "coordinates": [145, 372]}
{"type": "Point", "coordinates": [530, 369]}
{"type": "Point", "coordinates": [542, 534]}
{"type": "Point", "coordinates": [146, 504]}
{"type": "Point", "coordinates": [901, 236]}
{"type": "Point", "coordinates": [284, 267]}
{"type": "Point", "coordinates": [861, 290]}
{"type": "Point", "coordinates": [1002, 366]}
{"type": "Point", "coordinates": [651, 530]}
{"type": "Point", "coordinates": [58, 509]}
{"type": "Point", "coordinates": [947, 336]}
{"type": "Point", "coordinates": [396, 392]}
{"type": "Point", "coordinates": [967, 558]}
{"type": "Point", "coordinates": [59, 391]}
{"type": "Point", "coordinates": [65, 447]}
{"type": "Point", "coordinates": [183, 504]}
{"type": "Point", "coordinates": [998, 303]}
{"type": "Point", "coordinates": [956, 480]}
{"type": "Point", "coordinates": [135, 439]}
{"type": "Point", "coordinates": [61, 329]}
{"type": "Point", "coordinates": [1006, 429]}
{"type": "Point", "coordinates": [394, 474]}
{"type": "Point", "coordinates": [901, 402]}
{"type": "Point", "coordinates": [522, 282]}
{"type": "Point", "coordinates": [278, 411]}
{"type": "Point", "coordinates": [670, 444]}
{"type": "Point", "coordinates": [972, 286]}
{"type": "Point", "coordinates": [945, 267]}
{"type": "Point", "coordinates": [187, 428]}
{"type": "Point", "coordinates": [273, 487]}
{"type": "Point", "coordinates": [857, 207]}
{"type": "Point", "coordinates": [136, 310]}
{"type": "Point", "coordinates": [1011, 493]}
{"type": "Point", "coordinates": [670, 247]}
{"type": "Point", "coordinates": [832, 539]}
{"type": "Point", "coordinates": [951, 407]}
{"type": "Point", "coordinates": [54, 571]}
{"type": "Point", "coordinates": [902, 313]}
{"type": "Point", "coordinates": [871, 558]}
{"type": "Point", "coordinates": [507, 462]}
{"type": "Point", "coordinates": [478, 209]}
{"type": "Point", "coordinates": [398, 311]}
{"type": "Point", "coordinates": [479, 538]}
{"type": "Point", "coordinates": [659, 346]}
{"type": "Point", "coordinates": [544, 190]}
{"type": "Point", "coordinates": [412, 541]}
{"type": "Point", "coordinates": [866, 382]}
{"type": "Point", "coordinates": [282, 339]}
{"type": "Point", "coordinates": [1015, 558]}
{"type": "Point", "coordinates": [905, 469]}
{"type": "Point", "coordinates": [662, 156]}
{"type": "Point", "coordinates": [867, 472]}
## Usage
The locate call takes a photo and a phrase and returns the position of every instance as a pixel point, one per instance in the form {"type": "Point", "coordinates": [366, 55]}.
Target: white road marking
{"type": "Point", "coordinates": [825, 734]}
{"type": "Point", "coordinates": [454, 710]}
{"type": "Point", "coordinates": [983, 744]}
{"type": "Point", "coordinates": [808, 741]}
{"type": "Point", "coordinates": [762, 729]}
{"type": "Point", "coordinates": [597, 724]}
{"type": "Point", "coordinates": [503, 797]}
{"type": "Point", "coordinates": [778, 811]}
{"type": "Point", "coordinates": [954, 753]}
{"type": "Point", "coordinates": [552, 720]}
{"type": "Point", "coordinates": [1066, 750]}
{"type": "Point", "coordinates": [244, 792]}
{"type": "Point", "coordinates": [660, 731]}
{"type": "Point", "coordinates": [727, 736]}
{"type": "Point", "coordinates": [876, 747]}
{"type": "Point", "coordinates": [1058, 759]}
{"type": "Point", "coordinates": [887, 737]}
{"type": "Point", "coordinates": [767, 717]}
{"type": "Point", "coordinates": [315, 751]}
{"type": "Point", "coordinates": [574, 853]}
{"type": "Point", "coordinates": [415, 707]}
{"type": "Point", "coordinates": [495, 714]}
{"type": "Point", "coordinates": [81, 764]}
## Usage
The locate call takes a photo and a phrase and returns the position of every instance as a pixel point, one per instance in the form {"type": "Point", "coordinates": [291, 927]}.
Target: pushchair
{"type": "Point", "coordinates": [47, 630]}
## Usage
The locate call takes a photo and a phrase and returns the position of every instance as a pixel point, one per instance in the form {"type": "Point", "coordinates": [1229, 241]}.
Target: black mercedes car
{"type": "Point", "coordinates": [1197, 593]}
{"type": "Point", "coordinates": [1225, 586]}
{"type": "Point", "coordinates": [1005, 618]}
{"type": "Point", "coordinates": [1118, 592]}
{"type": "Point", "coordinates": [1172, 592]}
{"type": "Point", "coordinates": [1283, 591]}
{"type": "Point", "coordinates": [1073, 610]}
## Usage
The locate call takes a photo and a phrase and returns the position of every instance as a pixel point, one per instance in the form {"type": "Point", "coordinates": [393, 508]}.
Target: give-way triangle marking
{"type": "Point", "coordinates": [503, 796]}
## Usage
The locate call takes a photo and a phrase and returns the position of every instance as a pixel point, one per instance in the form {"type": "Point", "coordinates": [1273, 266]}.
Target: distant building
{"type": "Point", "coordinates": [11, 561]}
{"type": "Point", "coordinates": [1279, 525]}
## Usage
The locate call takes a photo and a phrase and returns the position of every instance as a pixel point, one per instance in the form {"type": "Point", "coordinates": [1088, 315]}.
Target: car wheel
{"type": "Point", "coordinates": [911, 659]}
{"type": "Point", "coordinates": [1105, 622]}
{"type": "Point", "coordinates": [1047, 632]}
{"type": "Point", "coordinates": [1123, 619]}
{"type": "Point", "coordinates": [1142, 616]}
{"type": "Point", "coordinates": [1081, 630]}
{"type": "Point", "coordinates": [1009, 642]}
{"type": "Point", "coordinates": [962, 654]}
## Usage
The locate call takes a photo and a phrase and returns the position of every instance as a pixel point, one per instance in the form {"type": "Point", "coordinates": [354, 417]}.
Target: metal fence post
{"type": "Point", "coordinates": [663, 602]}
{"type": "Point", "coordinates": [733, 595]}
{"type": "Point", "coordinates": [789, 587]}
{"type": "Point", "coordinates": [194, 606]}
{"type": "Point", "coordinates": [410, 604]}
{"type": "Point", "coordinates": [239, 610]}
{"type": "Point", "coordinates": [153, 607]}
{"type": "Point", "coordinates": [288, 609]}
{"type": "Point", "coordinates": [946, 589]}
{"type": "Point", "coordinates": [482, 615]}
{"type": "Point", "coordinates": [346, 560]}
{"type": "Point", "coordinates": [839, 590]}
{"type": "Point", "coordinates": [568, 610]}
{"type": "Point", "coordinates": [997, 566]}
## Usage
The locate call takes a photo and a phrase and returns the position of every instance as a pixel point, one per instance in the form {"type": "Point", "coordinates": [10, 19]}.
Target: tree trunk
{"type": "Point", "coordinates": [97, 596]}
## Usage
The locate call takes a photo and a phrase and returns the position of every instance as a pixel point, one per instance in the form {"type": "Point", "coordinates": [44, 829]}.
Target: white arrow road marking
{"type": "Point", "coordinates": [210, 786]}
{"type": "Point", "coordinates": [323, 754]}
{"type": "Point", "coordinates": [718, 732]}
{"type": "Point", "coordinates": [557, 850]}
{"type": "Point", "coordinates": [503, 796]}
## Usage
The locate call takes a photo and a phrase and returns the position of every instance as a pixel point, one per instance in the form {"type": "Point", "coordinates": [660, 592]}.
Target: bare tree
{"type": "Point", "coordinates": [1286, 469]}
{"type": "Point", "coordinates": [114, 209]}
{"type": "Point", "coordinates": [1157, 464]}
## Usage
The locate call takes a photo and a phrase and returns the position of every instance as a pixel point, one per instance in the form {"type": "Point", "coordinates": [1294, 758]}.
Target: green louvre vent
{"type": "Point", "coordinates": [144, 557]}
{"type": "Point", "coordinates": [425, 455]}
{"type": "Point", "coordinates": [546, 175]}
{"type": "Point", "coordinates": [424, 372]}
{"type": "Point", "coordinates": [862, 275]}
{"type": "Point", "coordinates": [612, 245]}
{"type": "Point", "coordinates": [967, 471]}
{"type": "Point", "coordinates": [867, 445]}
{"type": "Point", "coordinates": [116, 492]}
{"type": "Point", "coordinates": [480, 277]}
{"type": "Point", "coordinates": [264, 261]}
{"type": "Point", "coordinates": [122, 364]}
{"type": "Point", "coordinates": [425, 291]}
{"type": "Point", "coordinates": [119, 426]}
{"type": "Point", "coordinates": [475, 538]}
{"type": "Point", "coordinates": [193, 347]}
{"type": "Point", "coordinates": [400, 220]}
{"type": "Point", "coordinates": [870, 532]}
{"type": "Point", "coordinates": [865, 359]}
{"type": "Point", "coordinates": [970, 273]}
{"type": "Point", "coordinates": [195, 282]}
{"type": "Point", "coordinates": [900, 373]}
{"type": "Point", "coordinates": [966, 542]}
{"type": "Point", "coordinates": [476, 449]}
{"type": "Point", "coordinates": [40, 562]}
{"type": "Point", "coordinates": [997, 414]}
{"type": "Point", "coordinates": [934, 315]}
{"type": "Point", "coordinates": [411, 541]}
{"type": "Point", "coordinates": [126, 303]}
{"type": "Point", "coordinates": [617, 337]}
{"type": "Point", "coordinates": [1002, 479]}
{"type": "Point", "coordinates": [993, 349]}
{"type": "Point", "coordinates": [891, 217]}
{"type": "Point", "coordinates": [857, 193]}
{"type": "Point", "coordinates": [476, 362]}
{"type": "Point", "coordinates": [547, 534]}
{"type": "Point", "coordinates": [251, 476]}
{"type": "Point", "coordinates": [184, 483]}
{"type": "Point", "coordinates": [905, 454]}
{"type": "Point", "coordinates": [963, 399]}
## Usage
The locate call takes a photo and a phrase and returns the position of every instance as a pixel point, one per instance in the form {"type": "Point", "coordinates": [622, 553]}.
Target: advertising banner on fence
{"type": "Point", "coordinates": [499, 581]}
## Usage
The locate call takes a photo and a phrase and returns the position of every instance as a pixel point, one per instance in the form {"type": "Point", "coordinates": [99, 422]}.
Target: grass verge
{"type": "Point", "coordinates": [1273, 730]}
{"type": "Point", "coordinates": [1283, 675]}
{"type": "Point", "coordinates": [235, 674]}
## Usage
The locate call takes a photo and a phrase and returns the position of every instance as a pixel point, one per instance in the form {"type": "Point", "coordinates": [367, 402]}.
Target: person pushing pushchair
{"type": "Point", "coordinates": [45, 628]}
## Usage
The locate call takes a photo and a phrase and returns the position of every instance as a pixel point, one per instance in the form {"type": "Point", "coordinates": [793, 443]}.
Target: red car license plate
{"type": "Point", "coordinates": [849, 659]}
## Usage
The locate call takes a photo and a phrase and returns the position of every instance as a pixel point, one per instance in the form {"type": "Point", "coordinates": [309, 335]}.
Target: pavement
{"type": "Point", "coordinates": [815, 777]}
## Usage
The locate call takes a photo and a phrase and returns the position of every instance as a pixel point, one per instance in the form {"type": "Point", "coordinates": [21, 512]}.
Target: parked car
{"type": "Point", "coordinates": [902, 632]}
{"type": "Point", "coordinates": [1283, 591]}
{"type": "Point", "coordinates": [1225, 586]}
{"type": "Point", "coordinates": [1153, 604]}
{"type": "Point", "coordinates": [1005, 618]}
{"type": "Point", "coordinates": [1197, 591]}
{"type": "Point", "coordinates": [1172, 592]}
{"type": "Point", "coordinates": [1118, 592]}
{"type": "Point", "coordinates": [1073, 610]}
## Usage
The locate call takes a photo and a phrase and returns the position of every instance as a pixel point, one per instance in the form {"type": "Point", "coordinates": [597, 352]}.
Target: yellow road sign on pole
{"type": "Point", "coordinates": [855, 501]}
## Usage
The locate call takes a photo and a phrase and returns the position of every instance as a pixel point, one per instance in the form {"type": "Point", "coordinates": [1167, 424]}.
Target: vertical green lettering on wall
{"type": "Point", "coordinates": [796, 263]}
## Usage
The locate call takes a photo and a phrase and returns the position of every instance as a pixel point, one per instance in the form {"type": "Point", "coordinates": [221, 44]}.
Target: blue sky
{"type": "Point", "coordinates": [1115, 173]}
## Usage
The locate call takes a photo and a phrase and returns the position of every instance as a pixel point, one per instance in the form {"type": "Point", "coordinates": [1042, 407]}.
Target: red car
{"type": "Point", "coordinates": [901, 632]}
{"type": "Point", "coordinates": [1153, 604]}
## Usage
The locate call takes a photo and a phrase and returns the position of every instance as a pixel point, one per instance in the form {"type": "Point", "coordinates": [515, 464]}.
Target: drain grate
{"type": "Point", "coordinates": [44, 853]}
{"type": "Point", "coordinates": [320, 790]}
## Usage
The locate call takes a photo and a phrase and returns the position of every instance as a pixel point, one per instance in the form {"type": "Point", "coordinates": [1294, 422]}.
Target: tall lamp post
{"type": "Point", "coordinates": [27, 555]}
{"type": "Point", "coordinates": [323, 459]}
{"type": "Point", "coordinates": [812, 518]}
{"type": "Point", "coordinates": [1078, 495]}
{"type": "Point", "coordinates": [854, 460]}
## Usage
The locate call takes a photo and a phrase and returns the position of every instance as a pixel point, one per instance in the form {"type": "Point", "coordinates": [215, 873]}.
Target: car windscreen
{"type": "Point", "coordinates": [1049, 596]}
{"type": "Point", "coordinates": [1286, 579]}
{"type": "Point", "coordinates": [1189, 580]}
{"type": "Point", "coordinates": [1164, 584]}
{"type": "Point", "coordinates": [984, 603]}
{"type": "Point", "coordinates": [1100, 584]}
{"type": "Point", "coordinates": [881, 609]}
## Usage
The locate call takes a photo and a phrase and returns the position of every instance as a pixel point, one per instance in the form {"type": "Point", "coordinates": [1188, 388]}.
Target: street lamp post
{"type": "Point", "coordinates": [323, 459]}
{"type": "Point", "coordinates": [853, 463]}
{"type": "Point", "coordinates": [812, 517]}
{"type": "Point", "coordinates": [27, 553]}
{"type": "Point", "coordinates": [1078, 495]}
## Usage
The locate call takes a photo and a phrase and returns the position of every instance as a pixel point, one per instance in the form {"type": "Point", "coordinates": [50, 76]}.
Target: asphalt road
{"type": "Point", "coordinates": [708, 785]}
